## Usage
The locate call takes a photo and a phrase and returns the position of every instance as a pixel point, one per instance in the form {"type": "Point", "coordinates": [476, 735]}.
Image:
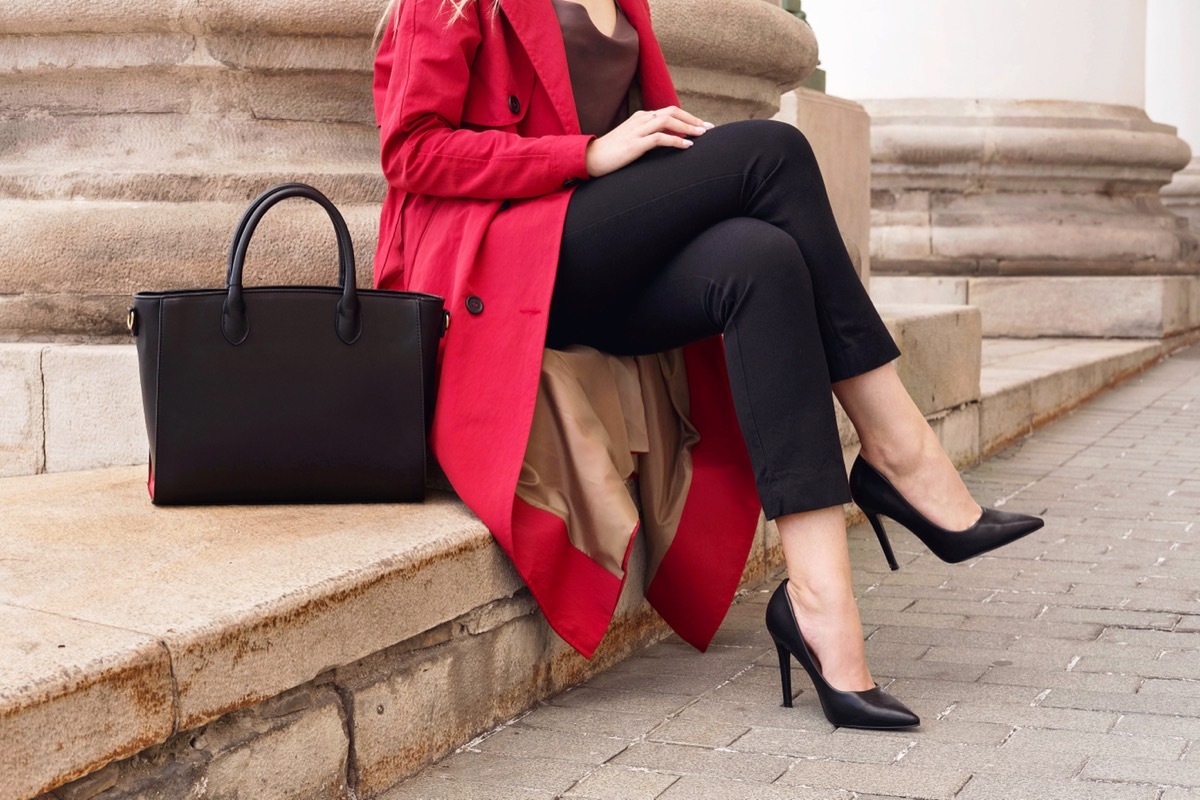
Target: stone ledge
{"type": "Point", "coordinates": [1028, 382]}
{"type": "Point", "coordinates": [1119, 306]}
{"type": "Point", "coordinates": [170, 618]}
{"type": "Point", "coordinates": [79, 406]}
{"type": "Point", "coordinates": [211, 655]}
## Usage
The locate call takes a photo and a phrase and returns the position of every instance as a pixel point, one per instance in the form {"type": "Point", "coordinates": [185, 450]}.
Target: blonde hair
{"type": "Point", "coordinates": [458, 11]}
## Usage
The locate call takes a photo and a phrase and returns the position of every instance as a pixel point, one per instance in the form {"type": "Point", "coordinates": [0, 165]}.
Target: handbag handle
{"type": "Point", "coordinates": [234, 324]}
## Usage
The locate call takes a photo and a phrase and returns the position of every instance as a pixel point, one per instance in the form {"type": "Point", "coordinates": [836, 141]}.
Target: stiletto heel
{"type": "Point", "coordinates": [785, 673]}
{"type": "Point", "coordinates": [881, 534]}
{"type": "Point", "coordinates": [876, 496]}
{"type": "Point", "coordinates": [873, 709]}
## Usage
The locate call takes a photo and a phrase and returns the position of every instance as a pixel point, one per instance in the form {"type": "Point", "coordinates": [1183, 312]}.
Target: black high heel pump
{"type": "Point", "coordinates": [873, 709]}
{"type": "Point", "coordinates": [876, 496]}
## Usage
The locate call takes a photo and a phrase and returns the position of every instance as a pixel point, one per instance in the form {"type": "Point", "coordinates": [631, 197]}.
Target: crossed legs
{"type": "Point", "coordinates": [736, 236]}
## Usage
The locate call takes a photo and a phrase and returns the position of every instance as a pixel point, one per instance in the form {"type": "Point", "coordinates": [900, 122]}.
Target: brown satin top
{"type": "Point", "coordinates": [602, 67]}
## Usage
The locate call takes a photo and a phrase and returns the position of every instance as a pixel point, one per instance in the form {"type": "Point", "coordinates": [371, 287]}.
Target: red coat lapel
{"type": "Point", "coordinates": [536, 25]}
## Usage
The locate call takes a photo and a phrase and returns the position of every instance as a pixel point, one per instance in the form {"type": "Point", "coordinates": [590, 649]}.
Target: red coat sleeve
{"type": "Point", "coordinates": [422, 73]}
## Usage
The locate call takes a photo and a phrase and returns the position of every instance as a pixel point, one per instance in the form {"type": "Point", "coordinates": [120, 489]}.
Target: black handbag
{"type": "Point", "coordinates": [294, 394]}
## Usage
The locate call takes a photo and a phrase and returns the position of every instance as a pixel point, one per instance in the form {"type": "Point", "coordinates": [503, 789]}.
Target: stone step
{"type": "Point", "coordinates": [358, 641]}
{"type": "Point", "coordinates": [1028, 382]}
{"type": "Point", "coordinates": [1121, 305]}
{"type": "Point", "coordinates": [78, 407]}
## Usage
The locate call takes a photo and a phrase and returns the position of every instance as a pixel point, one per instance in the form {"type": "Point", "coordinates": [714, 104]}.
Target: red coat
{"type": "Point", "coordinates": [481, 148]}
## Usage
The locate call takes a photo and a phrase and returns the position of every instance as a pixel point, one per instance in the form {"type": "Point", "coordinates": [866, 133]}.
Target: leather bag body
{"type": "Point", "coordinates": [293, 394]}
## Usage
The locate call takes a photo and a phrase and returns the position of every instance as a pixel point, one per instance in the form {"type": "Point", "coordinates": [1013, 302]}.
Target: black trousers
{"type": "Point", "coordinates": [734, 236]}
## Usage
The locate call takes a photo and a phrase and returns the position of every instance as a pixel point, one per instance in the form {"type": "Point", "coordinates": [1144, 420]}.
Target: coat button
{"type": "Point", "coordinates": [569, 182]}
{"type": "Point", "coordinates": [474, 304]}
{"type": "Point", "coordinates": [514, 105]}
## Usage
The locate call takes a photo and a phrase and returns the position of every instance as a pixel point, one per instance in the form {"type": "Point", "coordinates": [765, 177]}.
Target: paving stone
{"type": "Point", "coordinates": [611, 781]}
{"type": "Point", "coordinates": [952, 637]}
{"type": "Point", "coordinates": [892, 779]}
{"type": "Point", "coordinates": [1179, 794]}
{"type": "Point", "coordinates": [987, 759]}
{"type": "Point", "coordinates": [999, 658]}
{"type": "Point", "coordinates": [1035, 627]}
{"type": "Point", "coordinates": [597, 721]}
{"type": "Point", "coordinates": [432, 787]}
{"type": "Point", "coordinates": [1164, 686]}
{"type": "Point", "coordinates": [697, 732]}
{"type": "Point", "coordinates": [1182, 702]}
{"type": "Point", "coordinates": [1049, 679]}
{"type": "Point", "coordinates": [651, 703]}
{"type": "Point", "coordinates": [804, 715]}
{"type": "Point", "coordinates": [1068, 648]}
{"type": "Point", "coordinates": [693, 788]}
{"type": "Point", "coordinates": [1039, 716]}
{"type": "Point", "coordinates": [530, 774]}
{"type": "Point", "coordinates": [519, 741]}
{"type": "Point", "coordinates": [629, 681]}
{"type": "Point", "coordinates": [1154, 772]}
{"type": "Point", "coordinates": [1146, 668]}
{"type": "Point", "coordinates": [1007, 787]}
{"type": "Point", "coordinates": [1158, 725]}
{"type": "Point", "coordinates": [684, 760]}
{"type": "Point", "coordinates": [1096, 744]}
{"type": "Point", "coordinates": [838, 745]}
{"type": "Point", "coordinates": [940, 694]}
{"type": "Point", "coordinates": [928, 668]}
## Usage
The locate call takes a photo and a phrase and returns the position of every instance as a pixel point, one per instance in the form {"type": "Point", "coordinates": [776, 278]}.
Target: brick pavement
{"type": "Point", "coordinates": [1064, 666]}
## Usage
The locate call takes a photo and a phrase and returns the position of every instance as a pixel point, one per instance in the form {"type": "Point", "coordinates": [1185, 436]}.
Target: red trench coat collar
{"type": "Point", "coordinates": [536, 25]}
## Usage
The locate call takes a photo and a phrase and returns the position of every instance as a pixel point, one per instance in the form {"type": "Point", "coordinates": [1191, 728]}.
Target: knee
{"type": "Point", "coordinates": [766, 264]}
{"type": "Point", "coordinates": [779, 140]}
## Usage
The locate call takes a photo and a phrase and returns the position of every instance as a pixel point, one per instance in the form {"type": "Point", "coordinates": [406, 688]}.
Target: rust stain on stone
{"type": "Point", "coordinates": [151, 693]}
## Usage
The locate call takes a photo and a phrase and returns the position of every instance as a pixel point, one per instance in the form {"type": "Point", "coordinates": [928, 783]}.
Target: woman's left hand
{"type": "Point", "coordinates": [641, 133]}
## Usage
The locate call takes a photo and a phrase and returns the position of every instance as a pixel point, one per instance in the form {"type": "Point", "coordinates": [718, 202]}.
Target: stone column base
{"type": "Point", "coordinates": [840, 134]}
{"type": "Point", "coordinates": [1182, 195]}
{"type": "Point", "coordinates": [1131, 306]}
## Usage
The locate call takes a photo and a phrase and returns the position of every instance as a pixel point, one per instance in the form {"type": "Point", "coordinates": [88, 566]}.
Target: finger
{"type": "Point", "coordinates": [684, 116]}
{"type": "Point", "coordinates": [676, 125]}
{"type": "Point", "coordinates": [671, 124]}
{"type": "Point", "coordinates": [669, 140]}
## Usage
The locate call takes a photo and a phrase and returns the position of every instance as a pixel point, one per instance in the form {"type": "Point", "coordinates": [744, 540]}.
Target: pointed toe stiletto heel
{"type": "Point", "coordinates": [872, 709]}
{"type": "Point", "coordinates": [876, 496]}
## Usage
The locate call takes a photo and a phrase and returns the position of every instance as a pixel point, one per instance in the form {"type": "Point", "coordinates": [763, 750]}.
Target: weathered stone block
{"type": "Point", "coordinates": [958, 431]}
{"type": "Point", "coordinates": [245, 616]}
{"type": "Point", "coordinates": [73, 696]}
{"type": "Point", "coordinates": [918, 290]}
{"type": "Point", "coordinates": [467, 686]}
{"type": "Point", "coordinates": [22, 434]}
{"type": "Point", "coordinates": [940, 347]}
{"type": "Point", "coordinates": [93, 408]}
{"type": "Point", "coordinates": [1005, 414]}
{"type": "Point", "coordinates": [840, 134]}
{"type": "Point", "coordinates": [1108, 306]}
{"type": "Point", "coordinates": [303, 755]}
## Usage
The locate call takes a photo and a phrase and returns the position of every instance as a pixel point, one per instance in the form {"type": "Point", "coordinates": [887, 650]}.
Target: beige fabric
{"type": "Point", "coordinates": [600, 419]}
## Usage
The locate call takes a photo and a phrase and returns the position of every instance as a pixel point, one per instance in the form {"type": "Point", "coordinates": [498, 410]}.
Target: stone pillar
{"type": "Point", "coordinates": [732, 59]}
{"type": "Point", "coordinates": [1173, 91]}
{"type": "Point", "coordinates": [1014, 167]}
{"type": "Point", "coordinates": [134, 133]}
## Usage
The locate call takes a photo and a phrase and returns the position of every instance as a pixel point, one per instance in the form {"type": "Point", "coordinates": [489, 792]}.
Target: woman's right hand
{"type": "Point", "coordinates": [641, 133]}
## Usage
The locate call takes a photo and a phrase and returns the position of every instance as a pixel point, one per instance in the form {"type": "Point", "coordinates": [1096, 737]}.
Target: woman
{"type": "Point", "coordinates": [544, 180]}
